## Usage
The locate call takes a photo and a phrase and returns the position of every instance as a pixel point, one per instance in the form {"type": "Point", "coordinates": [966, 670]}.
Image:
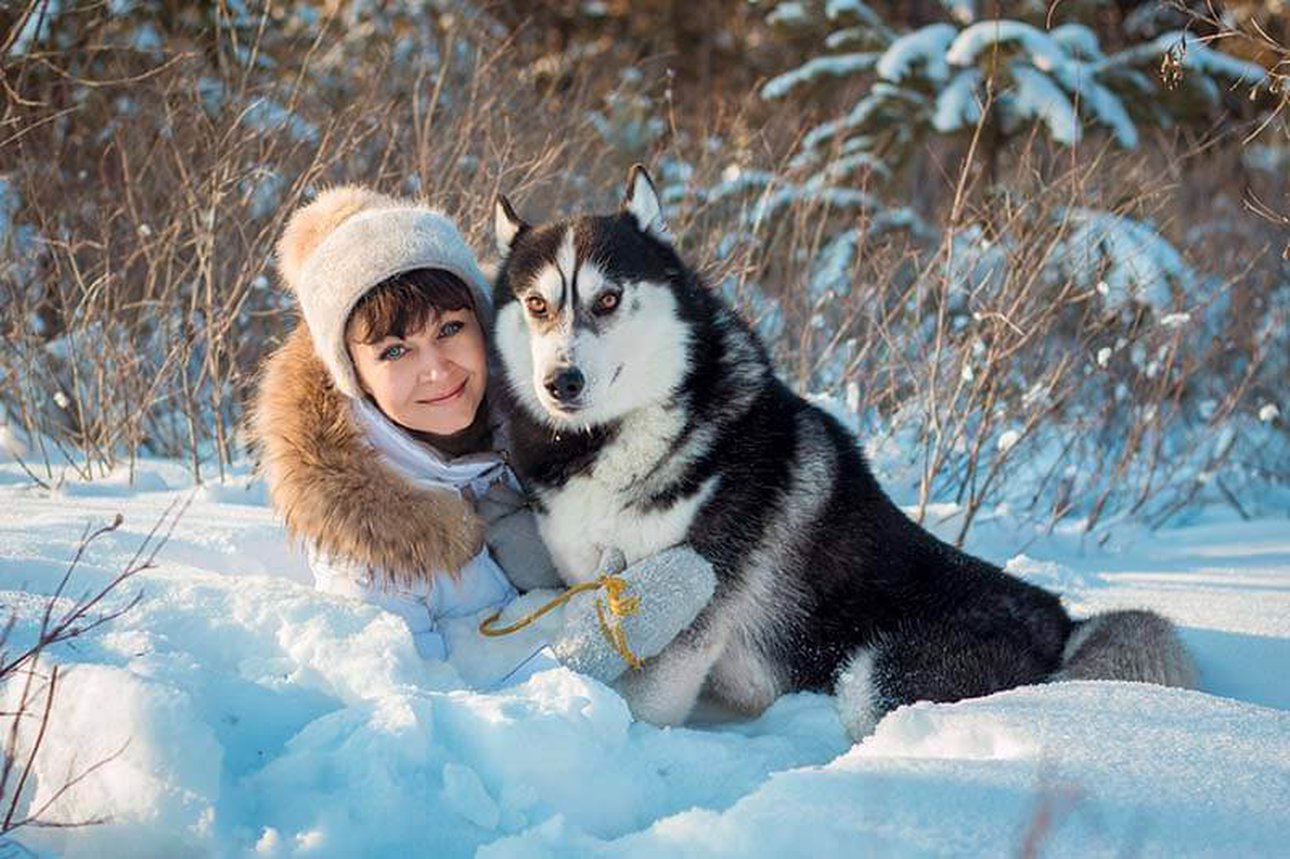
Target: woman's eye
{"type": "Point", "coordinates": [450, 328]}
{"type": "Point", "coordinates": [536, 305]}
{"type": "Point", "coordinates": [607, 303]}
{"type": "Point", "coordinates": [393, 353]}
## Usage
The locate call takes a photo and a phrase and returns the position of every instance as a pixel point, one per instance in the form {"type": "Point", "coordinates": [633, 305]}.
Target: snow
{"type": "Point", "coordinates": [1135, 263]}
{"type": "Point", "coordinates": [20, 244]}
{"type": "Point", "coordinates": [1069, 55]}
{"type": "Point", "coordinates": [239, 712]}
{"type": "Point", "coordinates": [1044, 52]}
{"type": "Point", "coordinates": [934, 78]}
{"type": "Point", "coordinates": [963, 11]}
{"type": "Point", "coordinates": [839, 170]}
{"type": "Point", "coordinates": [925, 47]}
{"type": "Point", "coordinates": [10, 203]}
{"type": "Point", "coordinates": [867, 20]}
{"type": "Point", "coordinates": [832, 272]}
{"type": "Point", "coordinates": [972, 780]}
{"type": "Point", "coordinates": [37, 27]}
{"type": "Point", "coordinates": [788, 14]}
{"type": "Point", "coordinates": [835, 66]}
{"type": "Point", "coordinates": [881, 95]}
{"type": "Point", "coordinates": [1079, 40]}
{"type": "Point", "coordinates": [1054, 79]}
{"type": "Point", "coordinates": [957, 104]}
{"type": "Point", "coordinates": [834, 9]}
{"type": "Point", "coordinates": [1102, 104]}
{"type": "Point", "coordinates": [263, 188]}
{"type": "Point", "coordinates": [1194, 54]}
{"type": "Point", "coordinates": [1037, 97]}
{"type": "Point", "coordinates": [266, 115]}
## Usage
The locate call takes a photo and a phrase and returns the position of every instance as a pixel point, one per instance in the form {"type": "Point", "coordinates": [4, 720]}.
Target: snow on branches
{"type": "Point", "coordinates": [944, 78]}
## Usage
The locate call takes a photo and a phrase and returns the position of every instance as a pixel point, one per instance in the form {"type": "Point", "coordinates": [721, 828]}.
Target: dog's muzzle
{"type": "Point", "coordinates": [565, 386]}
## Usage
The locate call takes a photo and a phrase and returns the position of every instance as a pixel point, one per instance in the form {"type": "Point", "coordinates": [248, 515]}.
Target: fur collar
{"type": "Point", "coordinates": [332, 488]}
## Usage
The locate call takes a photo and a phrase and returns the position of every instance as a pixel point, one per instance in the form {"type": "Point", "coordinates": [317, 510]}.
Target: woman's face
{"type": "Point", "coordinates": [430, 380]}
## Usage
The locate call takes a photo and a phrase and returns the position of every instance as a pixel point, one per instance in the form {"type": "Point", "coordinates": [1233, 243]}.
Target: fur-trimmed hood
{"type": "Point", "coordinates": [331, 486]}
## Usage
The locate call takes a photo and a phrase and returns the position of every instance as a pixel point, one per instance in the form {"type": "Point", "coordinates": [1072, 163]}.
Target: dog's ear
{"type": "Point", "coordinates": [642, 202]}
{"type": "Point", "coordinates": [506, 225]}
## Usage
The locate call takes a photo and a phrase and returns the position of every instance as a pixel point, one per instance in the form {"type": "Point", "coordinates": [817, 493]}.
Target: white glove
{"type": "Point", "coordinates": [672, 587]}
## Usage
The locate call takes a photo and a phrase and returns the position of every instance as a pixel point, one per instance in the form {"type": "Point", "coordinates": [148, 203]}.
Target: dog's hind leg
{"type": "Point", "coordinates": [928, 662]}
{"type": "Point", "coordinates": [861, 700]}
{"type": "Point", "coordinates": [1139, 646]}
{"type": "Point", "coordinates": [665, 689]}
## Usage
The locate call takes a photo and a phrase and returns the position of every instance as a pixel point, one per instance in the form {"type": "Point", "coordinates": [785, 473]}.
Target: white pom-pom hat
{"type": "Point", "coordinates": [350, 239]}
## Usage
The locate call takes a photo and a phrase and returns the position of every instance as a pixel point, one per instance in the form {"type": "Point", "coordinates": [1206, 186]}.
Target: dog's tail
{"type": "Point", "coordinates": [1132, 645]}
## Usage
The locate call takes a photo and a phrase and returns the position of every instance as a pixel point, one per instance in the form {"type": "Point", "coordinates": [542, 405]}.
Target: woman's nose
{"type": "Point", "coordinates": [434, 363]}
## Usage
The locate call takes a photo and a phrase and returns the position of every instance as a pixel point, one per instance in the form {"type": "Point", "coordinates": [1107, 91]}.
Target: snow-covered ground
{"type": "Point", "coordinates": [240, 713]}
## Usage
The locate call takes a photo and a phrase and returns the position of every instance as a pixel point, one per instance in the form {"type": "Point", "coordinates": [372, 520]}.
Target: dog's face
{"type": "Point", "coordinates": [588, 325]}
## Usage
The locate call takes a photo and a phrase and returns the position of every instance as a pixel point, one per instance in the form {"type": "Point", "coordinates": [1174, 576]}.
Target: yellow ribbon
{"type": "Point", "coordinates": [620, 606]}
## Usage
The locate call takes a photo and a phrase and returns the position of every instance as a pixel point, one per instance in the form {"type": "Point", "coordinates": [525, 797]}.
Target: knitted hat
{"type": "Point", "coordinates": [349, 240]}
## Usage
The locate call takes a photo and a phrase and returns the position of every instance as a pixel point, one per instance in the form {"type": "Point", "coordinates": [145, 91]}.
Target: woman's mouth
{"type": "Point", "coordinates": [446, 398]}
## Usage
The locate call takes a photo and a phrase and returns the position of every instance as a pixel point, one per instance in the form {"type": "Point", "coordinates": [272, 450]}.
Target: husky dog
{"type": "Point", "coordinates": [643, 414]}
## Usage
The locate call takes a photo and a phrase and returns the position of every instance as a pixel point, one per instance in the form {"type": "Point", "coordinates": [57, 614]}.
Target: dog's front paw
{"type": "Point", "coordinates": [651, 699]}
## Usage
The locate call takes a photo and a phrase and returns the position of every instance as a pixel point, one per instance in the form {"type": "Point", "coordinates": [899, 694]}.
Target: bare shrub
{"type": "Point", "coordinates": [140, 296]}
{"type": "Point", "coordinates": [29, 675]}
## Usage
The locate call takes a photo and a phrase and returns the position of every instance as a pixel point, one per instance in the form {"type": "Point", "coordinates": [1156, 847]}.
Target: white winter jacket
{"type": "Point", "coordinates": [442, 611]}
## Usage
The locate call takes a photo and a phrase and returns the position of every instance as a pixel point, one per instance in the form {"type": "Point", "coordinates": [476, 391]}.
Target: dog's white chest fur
{"type": "Point", "coordinates": [595, 511]}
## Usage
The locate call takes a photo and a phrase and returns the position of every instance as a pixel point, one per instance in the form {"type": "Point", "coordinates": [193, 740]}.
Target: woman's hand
{"type": "Point", "coordinates": [671, 589]}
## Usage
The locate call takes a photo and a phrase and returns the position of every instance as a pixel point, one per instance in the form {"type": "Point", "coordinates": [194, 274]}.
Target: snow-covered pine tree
{"type": "Point", "coordinates": [947, 76]}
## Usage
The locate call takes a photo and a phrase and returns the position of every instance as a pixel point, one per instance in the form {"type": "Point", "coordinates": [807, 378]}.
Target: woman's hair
{"type": "Point", "coordinates": [406, 302]}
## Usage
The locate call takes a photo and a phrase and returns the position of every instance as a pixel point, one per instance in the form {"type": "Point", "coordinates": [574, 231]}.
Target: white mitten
{"type": "Point", "coordinates": [672, 587]}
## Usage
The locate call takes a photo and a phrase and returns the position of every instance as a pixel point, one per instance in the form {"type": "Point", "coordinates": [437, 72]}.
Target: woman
{"type": "Point", "coordinates": [381, 454]}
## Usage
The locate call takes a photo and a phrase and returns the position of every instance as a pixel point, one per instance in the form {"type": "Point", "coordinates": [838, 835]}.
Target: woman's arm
{"type": "Point", "coordinates": [512, 536]}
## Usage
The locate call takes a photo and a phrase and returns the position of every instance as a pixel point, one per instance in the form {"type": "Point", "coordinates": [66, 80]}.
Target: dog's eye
{"type": "Point", "coordinates": [536, 305]}
{"type": "Point", "coordinates": [607, 303]}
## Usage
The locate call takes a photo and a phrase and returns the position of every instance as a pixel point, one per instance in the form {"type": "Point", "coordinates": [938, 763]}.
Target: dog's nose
{"type": "Point", "coordinates": [565, 384]}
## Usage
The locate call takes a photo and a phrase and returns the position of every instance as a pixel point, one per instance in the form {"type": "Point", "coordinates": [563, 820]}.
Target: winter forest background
{"type": "Point", "coordinates": [1036, 254]}
{"type": "Point", "coordinates": [1023, 238]}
